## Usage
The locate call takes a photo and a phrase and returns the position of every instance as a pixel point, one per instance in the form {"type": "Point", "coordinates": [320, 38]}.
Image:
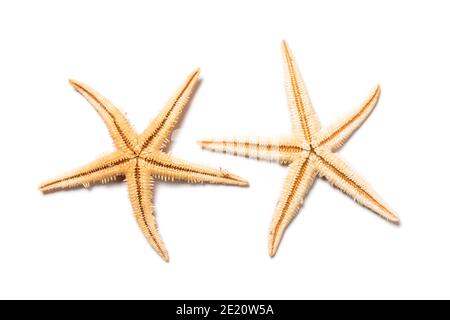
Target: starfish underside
{"type": "Point", "coordinates": [309, 152]}
{"type": "Point", "coordinates": [140, 158]}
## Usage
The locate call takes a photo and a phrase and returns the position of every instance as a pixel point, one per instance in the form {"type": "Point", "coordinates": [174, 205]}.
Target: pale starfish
{"type": "Point", "coordinates": [309, 152]}
{"type": "Point", "coordinates": [140, 158]}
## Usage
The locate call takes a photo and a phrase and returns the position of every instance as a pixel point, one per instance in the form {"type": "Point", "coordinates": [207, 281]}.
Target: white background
{"type": "Point", "coordinates": [86, 244]}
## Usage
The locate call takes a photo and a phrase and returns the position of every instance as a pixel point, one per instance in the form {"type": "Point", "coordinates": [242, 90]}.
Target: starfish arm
{"type": "Point", "coordinates": [167, 167]}
{"type": "Point", "coordinates": [140, 189]}
{"type": "Point", "coordinates": [157, 133]}
{"type": "Point", "coordinates": [340, 175]}
{"type": "Point", "coordinates": [101, 170]}
{"type": "Point", "coordinates": [122, 133]}
{"type": "Point", "coordinates": [305, 122]}
{"type": "Point", "coordinates": [336, 135]}
{"type": "Point", "coordinates": [300, 178]}
{"type": "Point", "coordinates": [282, 150]}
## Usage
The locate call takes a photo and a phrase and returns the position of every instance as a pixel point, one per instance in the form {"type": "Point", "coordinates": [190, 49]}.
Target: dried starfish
{"type": "Point", "coordinates": [309, 152]}
{"type": "Point", "coordinates": [140, 158]}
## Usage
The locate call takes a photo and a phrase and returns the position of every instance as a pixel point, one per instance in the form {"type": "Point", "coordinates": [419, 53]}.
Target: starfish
{"type": "Point", "coordinates": [140, 158]}
{"type": "Point", "coordinates": [309, 152]}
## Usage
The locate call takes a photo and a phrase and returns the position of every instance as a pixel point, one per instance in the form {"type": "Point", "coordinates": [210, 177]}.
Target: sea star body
{"type": "Point", "coordinates": [309, 152]}
{"type": "Point", "coordinates": [141, 158]}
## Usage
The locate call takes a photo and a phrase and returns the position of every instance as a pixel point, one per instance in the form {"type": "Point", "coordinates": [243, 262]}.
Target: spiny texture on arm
{"type": "Point", "coordinates": [305, 122]}
{"type": "Point", "coordinates": [167, 167]}
{"type": "Point", "coordinates": [342, 176]}
{"type": "Point", "coordinates": [157, 133]}
{"type": "Point", "coordinates": [101, 170]}
{"type": "Point", "coordinates": [280, 150]}
{"type": "Point", "coordinates": [337, 134]}
{"type": "Point", "coordinates": [121, 132]}
{"type": "Point", "coordinates": [140, 189]}
{"type": "Point", "coordinates": [298, 182]}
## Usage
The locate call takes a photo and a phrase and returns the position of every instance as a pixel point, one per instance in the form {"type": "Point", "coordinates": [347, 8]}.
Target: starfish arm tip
{"type": "Point", "coordinates": [208, 144]}
{"type": "Point", "coordinates": [377, 90]}
{"type": "Point", "coordinates": [272, 249]}
{"type": "Point", "coordinates": [195, 74]}
{"type": "Point", "coordinates": [202, 143]}
{"type": "Point", "coordinates": [77, 85]}
{"type": "Point", "coordinates": [239, 180]}
{"type": "Point", "coordinates": [74, 83]}
{"type": "Point", "coordinates": [165, 257]}
{"type": "Point", "coordinates": [244, 183]}
{"type": "Point", "coordinates": [236, 180]}
{"type": "Point", "coordinates": [395, 219]}
{"type": "Point", "coordinates": [45, 187]}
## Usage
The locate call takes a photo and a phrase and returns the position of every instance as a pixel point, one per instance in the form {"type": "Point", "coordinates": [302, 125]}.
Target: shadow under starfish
{"type": "Point", "coordinates": [140, 158]}
{"type": "Point", "coordinates": [309, 152]}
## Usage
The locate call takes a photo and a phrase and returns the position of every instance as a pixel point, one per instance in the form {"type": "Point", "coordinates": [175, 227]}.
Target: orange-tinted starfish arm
{"type": "Point", "coordinates": [282, 151]}
{"type": "Point", "coordinates": [100, 170]}
{"type": "Point", "coordinates": [336, 135]}
{"type": "Point", "coordinates": [140, 190]}
{"type": "Point", "coordinates": [301, 176]}
{"type": "Point", "coordinates": [155, 136]}
{"type": "Point", "coordinates": [339, 174]}
{"type": "Point", "coordinates": [166, 167]}
{"type": "Point", "coordinates": [123, 135]}
{"type": "Point", "coordinates": [304, 119]}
